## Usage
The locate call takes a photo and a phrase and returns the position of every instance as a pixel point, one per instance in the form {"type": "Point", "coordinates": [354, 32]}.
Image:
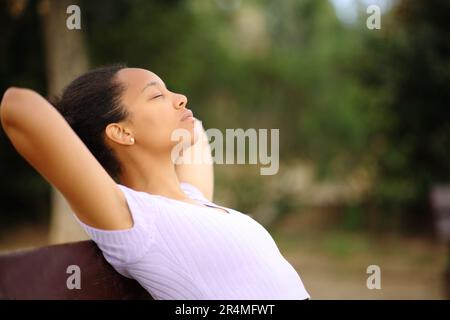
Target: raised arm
{"type": "Point", "coordinates": [43, 137]}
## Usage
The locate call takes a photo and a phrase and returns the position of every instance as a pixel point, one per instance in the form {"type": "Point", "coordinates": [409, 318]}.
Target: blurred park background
{"type": "Point", "coordinates": [364, 119]}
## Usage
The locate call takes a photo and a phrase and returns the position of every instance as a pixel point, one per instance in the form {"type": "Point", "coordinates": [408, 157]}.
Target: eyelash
{"type": "Point", "coordinates": [159, 95]}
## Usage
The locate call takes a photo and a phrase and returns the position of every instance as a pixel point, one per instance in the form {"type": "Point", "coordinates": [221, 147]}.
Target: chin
{"type": "Point", "coordinates": [188, 134]}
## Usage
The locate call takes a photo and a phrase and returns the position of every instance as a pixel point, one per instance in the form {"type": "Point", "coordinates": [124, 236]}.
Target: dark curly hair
{"type": "Point", "coordinates": [89, 103]}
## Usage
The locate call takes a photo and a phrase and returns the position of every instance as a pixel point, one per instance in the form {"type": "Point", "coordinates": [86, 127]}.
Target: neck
{"type": "Point", "coordinates": [153, 174]}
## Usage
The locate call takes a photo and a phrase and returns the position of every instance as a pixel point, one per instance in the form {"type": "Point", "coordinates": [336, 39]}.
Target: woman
{"type": "Point", "coordinates": [106, 146]}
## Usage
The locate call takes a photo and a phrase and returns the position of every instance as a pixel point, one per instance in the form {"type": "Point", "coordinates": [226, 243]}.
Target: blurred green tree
{"type": "Point", "coordinates": [412, 65]}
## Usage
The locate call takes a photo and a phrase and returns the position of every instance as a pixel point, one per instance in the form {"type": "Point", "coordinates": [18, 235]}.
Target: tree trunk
{"type": "Point", "coordinates": [66, 58]}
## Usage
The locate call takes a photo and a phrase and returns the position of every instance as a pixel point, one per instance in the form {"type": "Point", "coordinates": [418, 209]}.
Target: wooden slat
{"type": "Point", "coordinates": [42, 274]}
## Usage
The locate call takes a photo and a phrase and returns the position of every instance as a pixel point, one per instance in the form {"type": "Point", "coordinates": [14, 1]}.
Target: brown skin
{"type": "Point", "coordinates": [42, 136]}
{"type": "Point", "coordinates": [155, 112]}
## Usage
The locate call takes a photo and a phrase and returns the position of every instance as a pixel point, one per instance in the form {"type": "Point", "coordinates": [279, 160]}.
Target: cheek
{"type": "Point", "coordinates": [155, 130]}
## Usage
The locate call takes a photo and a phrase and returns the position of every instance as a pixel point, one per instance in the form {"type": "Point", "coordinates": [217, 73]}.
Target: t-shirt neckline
{"type": "Point", "coordinates": [204, 203]}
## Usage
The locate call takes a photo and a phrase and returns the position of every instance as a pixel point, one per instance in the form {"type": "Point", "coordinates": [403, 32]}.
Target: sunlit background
{"type": "Point", "coordinates": [363, 116]}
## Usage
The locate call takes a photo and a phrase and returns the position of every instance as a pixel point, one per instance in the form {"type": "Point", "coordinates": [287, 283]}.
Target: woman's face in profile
{"type": "Point", "coordinates": [155, 112]}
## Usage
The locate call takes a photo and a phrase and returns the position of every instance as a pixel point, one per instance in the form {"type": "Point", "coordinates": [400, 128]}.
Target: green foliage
{"type": "Point", "coordinates": [412, 65]}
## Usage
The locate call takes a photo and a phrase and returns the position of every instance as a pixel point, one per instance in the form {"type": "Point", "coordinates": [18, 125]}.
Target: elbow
{"type": "Point", "coordinates": [9, 106]}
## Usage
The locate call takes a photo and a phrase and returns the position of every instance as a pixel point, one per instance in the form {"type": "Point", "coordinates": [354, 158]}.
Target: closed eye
{"type": "Point", "coordinates": [157, 96]}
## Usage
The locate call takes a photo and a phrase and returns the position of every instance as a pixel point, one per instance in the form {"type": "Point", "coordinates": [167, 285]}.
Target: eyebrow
{"type": "Point", "coordinates": [153, 83]}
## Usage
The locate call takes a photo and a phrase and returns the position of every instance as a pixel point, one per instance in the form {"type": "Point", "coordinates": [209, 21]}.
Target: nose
{"type": "Point", "coordinates": [181, 101]}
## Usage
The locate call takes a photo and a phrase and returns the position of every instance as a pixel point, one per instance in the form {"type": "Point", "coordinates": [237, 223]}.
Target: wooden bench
{"type": "Point", "coordinates": [43, 274]}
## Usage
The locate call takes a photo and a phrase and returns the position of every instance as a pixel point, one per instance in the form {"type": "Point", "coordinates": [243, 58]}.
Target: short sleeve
{"type": "Point", "coordinates": [128, 245]}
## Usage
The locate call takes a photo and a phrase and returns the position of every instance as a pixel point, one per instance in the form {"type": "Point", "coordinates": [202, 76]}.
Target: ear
{"type": "Point", "coordinates": [119, 134]}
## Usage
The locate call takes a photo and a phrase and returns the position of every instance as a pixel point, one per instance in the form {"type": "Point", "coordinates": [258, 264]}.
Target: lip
{"type": "Point", "coordinates": [188, 113]}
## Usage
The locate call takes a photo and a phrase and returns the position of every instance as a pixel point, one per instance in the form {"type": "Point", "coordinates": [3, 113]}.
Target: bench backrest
{"type": "Point", "coordinates": [43, 274]}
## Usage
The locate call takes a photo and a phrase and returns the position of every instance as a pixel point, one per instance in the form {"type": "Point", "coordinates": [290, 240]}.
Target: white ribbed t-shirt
{"type": "Point", "coordinates": [177, 250]}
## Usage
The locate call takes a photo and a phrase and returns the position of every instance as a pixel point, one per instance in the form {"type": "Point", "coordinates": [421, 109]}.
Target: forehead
{"type": "Point", "coordinates": [134, 80]}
